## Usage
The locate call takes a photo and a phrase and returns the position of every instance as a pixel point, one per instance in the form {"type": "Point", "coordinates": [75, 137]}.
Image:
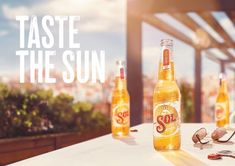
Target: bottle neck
{"type": "Point", "coordinates": [120, 79]}
{"type": "Point", "coordinates": [120, 84]}
{"type": "Point", "coordinates": [223, 86]}
{"type": "Point", "coordinates": [166, 65]}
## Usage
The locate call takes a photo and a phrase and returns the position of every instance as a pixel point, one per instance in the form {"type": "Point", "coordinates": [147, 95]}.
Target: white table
{"type": "Point", "coordinates": [134, 151]}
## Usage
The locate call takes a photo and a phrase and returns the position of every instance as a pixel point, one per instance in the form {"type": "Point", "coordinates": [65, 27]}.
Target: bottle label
{"type": "Point", "coordinates": [122, 73]}
{"type": "Point", "coordinates": [220, 111]}
{"type": "Point", "coordinates": [166, 119]}
{"type": "Point", "coordinates": [121, 115]}
{"type": "Point", "coordinates": [166, 59]}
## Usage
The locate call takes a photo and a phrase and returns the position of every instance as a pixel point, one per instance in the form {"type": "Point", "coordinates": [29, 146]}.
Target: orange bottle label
{"type": "Point", "coordinates": [166, 59]}
{"type": "Point", "coordinates": [166, 119]}
{"type": "Point", "coordinates": [220, 111]}
{"type": "Point", "coordinates": [121, 115]}
{"type": "Point", "coordinates": [122, 73]}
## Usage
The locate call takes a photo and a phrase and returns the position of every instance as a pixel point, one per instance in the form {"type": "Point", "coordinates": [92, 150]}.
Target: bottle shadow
{"type": "Point", "coordinates": [129, 140]}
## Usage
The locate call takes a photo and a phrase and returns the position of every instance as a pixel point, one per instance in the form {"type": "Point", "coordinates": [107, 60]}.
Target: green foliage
{"type": "Point", "coordinates": [37, 111]}
{"type": "Point", "coordinates": [187, 106]}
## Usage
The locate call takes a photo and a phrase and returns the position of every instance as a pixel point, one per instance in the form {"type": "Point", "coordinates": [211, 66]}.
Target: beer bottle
{"type": "Point", "coordinates": [222, 103]}
{"type": "Point", "coordinates": [166, 103]}
{"type": "Point", "coordinates": [120, 104]}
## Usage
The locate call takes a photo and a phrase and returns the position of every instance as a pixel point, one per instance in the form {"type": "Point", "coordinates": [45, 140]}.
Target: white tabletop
{"type": "Point", "coordinates": [136, 150]}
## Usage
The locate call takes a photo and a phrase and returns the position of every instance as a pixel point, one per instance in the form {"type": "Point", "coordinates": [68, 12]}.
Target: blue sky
{"type": "Point", "coordinates": [102, 27]}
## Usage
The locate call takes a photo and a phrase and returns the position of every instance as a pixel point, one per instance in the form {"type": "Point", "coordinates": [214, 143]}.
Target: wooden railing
{"type": "Point", "coordinates": [12, 150]}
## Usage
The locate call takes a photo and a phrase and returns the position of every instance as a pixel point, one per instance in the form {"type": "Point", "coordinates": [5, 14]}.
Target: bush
{"type": "Point", "coordinates": [33, 112]}
{"type": "Point", "coordinates": [187, 106]}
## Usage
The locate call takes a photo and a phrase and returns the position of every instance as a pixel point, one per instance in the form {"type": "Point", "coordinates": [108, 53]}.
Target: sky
{"type": "Point", "coordinates": [103, 27]}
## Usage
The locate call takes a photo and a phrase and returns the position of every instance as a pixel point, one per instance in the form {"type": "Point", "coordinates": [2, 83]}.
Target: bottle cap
{"type": "Point", "coordinates": [167, 42]}
{"type": "Point", "coordinates": [120, 63]}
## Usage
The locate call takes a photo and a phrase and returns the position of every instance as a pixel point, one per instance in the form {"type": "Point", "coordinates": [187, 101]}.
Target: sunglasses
{"type": "Point", "coordinates": [218, 133]}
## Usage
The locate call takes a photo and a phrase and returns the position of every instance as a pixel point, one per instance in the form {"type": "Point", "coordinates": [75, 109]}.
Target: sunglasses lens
{"type": "Point", "coordinates": [201, 133]}
{"type": "Point", "coordinates": [218, 133]}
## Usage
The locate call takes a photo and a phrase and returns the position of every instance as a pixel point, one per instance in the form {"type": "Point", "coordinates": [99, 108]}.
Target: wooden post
{"type": "Point", "coordinates": [222, 67]}
{"type": "Point", "coordinates": [134, 65]}
{"type": "Point", "coordinates": [197, 87]}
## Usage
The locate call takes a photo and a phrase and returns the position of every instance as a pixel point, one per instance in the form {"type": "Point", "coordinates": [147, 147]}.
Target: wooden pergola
{"type": "Point", "coordinates": [139, 11]}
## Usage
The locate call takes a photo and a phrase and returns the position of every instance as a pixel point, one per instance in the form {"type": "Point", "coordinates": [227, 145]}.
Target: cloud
{"type": "Point", "coordinates": [96, 15]}
{"type": "Point", "coordinates": [3, 33]}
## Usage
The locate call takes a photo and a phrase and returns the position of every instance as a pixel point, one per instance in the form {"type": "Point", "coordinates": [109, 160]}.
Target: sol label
{"type": "Point", "coordinates": [166, 119]}
{"type": "Point", "coordinates": [219, 111]}
{"type": "Point", "coordinates": [121, 115]}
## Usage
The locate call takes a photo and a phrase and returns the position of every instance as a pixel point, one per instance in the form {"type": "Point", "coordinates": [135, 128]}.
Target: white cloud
{"type": "Point", "coordinates": [96, 15]}
{"type": "Point", "coordinates": [3, 33]}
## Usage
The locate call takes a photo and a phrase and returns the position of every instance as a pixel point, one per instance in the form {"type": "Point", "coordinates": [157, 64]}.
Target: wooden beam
{"type": "Point", "coordinates": [194, 26]}
{"type": "Point", "coordinates": [212, 57]}
{"type": "Point", "coordinates": [229, 55]}
{"type": "Point", "coordinates": [134, 66]}
{"type": "Point", "coordinates": [231, 68]}
{"type": "Point", "coordinates": [222, 67]}
{"type": "Point", "coordinates": [229, 61]}
{"type": "Point", "coordinates": [186, 20]}
{"type": "Point", "coordinates": [231, 15]}
{"type": "Point", "coordinates": [170, 6]}
{"type": "Point", "coordinates": [163, 26]}
{"type": "Point", "coordinates": [190, 23]}
{"type": "Point", "coordinates": [224, 46]}
{"type": "Point", "coordinates": [217, 27]}
{"type": "Point", "coordinates": [197, 86]}
{"type": "Point", "coordinates": [222, 62]}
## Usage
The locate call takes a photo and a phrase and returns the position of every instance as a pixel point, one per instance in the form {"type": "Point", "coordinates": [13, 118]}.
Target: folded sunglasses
{"type": "Point", "coordinates": [218, 133]}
